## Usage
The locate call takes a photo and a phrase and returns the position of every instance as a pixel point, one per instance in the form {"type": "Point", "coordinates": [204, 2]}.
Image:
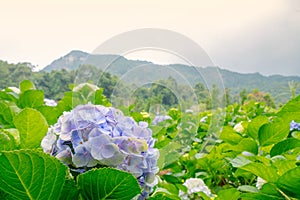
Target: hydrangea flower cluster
{"type": "Point", "coordinates": [195, 185]}
{"type": "Point", "coordinates": [91, 135]}
{"type": "Point", "coordinates": [294, 126]}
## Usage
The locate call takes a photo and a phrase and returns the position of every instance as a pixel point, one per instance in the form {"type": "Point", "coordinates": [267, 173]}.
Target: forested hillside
{"type": "Point", "coordinates": [276, 85]}
{"type": "Point", "coordinates": [209, 86]}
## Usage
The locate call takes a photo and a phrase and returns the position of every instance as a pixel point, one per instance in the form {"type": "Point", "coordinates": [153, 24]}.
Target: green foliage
{"type": "Point", "coordinates": [35, 175]}
{"type": "Point", "coordinates": [122, 186]}
{"type": "Point", "coordinates": [230, 148]}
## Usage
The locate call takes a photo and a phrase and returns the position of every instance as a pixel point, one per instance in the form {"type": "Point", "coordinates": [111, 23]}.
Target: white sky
{"type": "Point", "coordinates": [240, 35]}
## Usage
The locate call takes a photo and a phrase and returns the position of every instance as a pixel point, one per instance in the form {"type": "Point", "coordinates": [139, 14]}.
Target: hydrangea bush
{"type": "Point", "coordinates": [95, 136]}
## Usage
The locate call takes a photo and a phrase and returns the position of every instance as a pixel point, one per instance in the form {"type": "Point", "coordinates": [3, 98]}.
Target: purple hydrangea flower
{"type": "Point", "coordinates": [160, 118]}
{"type": "Point", "coordinates": [92, 135]}
{"type": "Point", "coordinates": [294, 126]}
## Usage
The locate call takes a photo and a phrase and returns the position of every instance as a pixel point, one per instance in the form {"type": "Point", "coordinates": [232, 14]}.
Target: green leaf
{"type": "Point", "coordinates": [171, 178]}
{"type": "Point", "coordinates": [284, 146]}
{"type": "Point", "coordinates": [70, 101]}
{"type": "Point", "coordinates": [99, 99]}
{"type": "Point", "coordinates": [255, 124]}
{"type": "Point", "coordinates": [168, 154]}
{"type": "Point", "coordinates": [31, 99]}
{"type": "Point", "coordinates": [289, 182]}
{"type": "Point", "coordinates": [230, 136]}
{"type": "Point", "coordinates": [108, 183]}
{"type": "Point", "coordinates": [248, 188]}
{"type": "Point", "coordinates": [32, 127]}
{"type": "Point", "coordinates": [267, 173]}
{"type": "Point", "coordinates": [270, 189]}
{"type": "Point", "coordinates": [282, 164]}
{"type": "Point", "coordinates": [228, 194]}
{"type": "Point", "coordinates": [26, 85]}
{"type": "Point", "coordinates": [7, 141]}
{"type": "Point", "coordinates": [50, 113]}
{"type": "Point", "coordinates": [246, 144]}
{"type": "Point", "coordinates": [291, 110]}
{"type": "Point", "coordinates": [7, 112]}
{"type": "Point", "coordinates": [239, 161]}
{"type": "Point", "coordinates": [8, 96]}
{"type": "Point", "coordinates": [70, 191]}
{"type": "Point", "coordinates": [27, 174]}
{"type": "Point", "coordinates": [273, 133]}
{"type": "Point", "coordinates": [171, 188]}
{"type": "Point", "coordinates": [256, 196]}
{"type": "Point", "coordinates": [164, 196]}
{"type": "Point", "coordinates": [3, 195]}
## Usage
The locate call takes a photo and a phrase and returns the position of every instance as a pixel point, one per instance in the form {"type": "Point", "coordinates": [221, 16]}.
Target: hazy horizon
{"type": "Point", "coordinates": [242, 36]}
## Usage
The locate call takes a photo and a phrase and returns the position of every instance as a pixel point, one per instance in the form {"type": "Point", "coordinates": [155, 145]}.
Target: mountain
{"type": "Point", "coordinates": [143, 72]}
{"type": "Point", "coordinates": [76, 58]}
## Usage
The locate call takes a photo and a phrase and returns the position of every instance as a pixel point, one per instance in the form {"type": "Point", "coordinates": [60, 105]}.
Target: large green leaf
{"type": "Point", "coordinates": [284, 146]}
{"type": "Point", "coordinates": [273, 133]}
{"type": "Point", "coordinates": [289, 182]}
{"type": "Point", "coordinates": [31, 99]}
{"type": "Point", "coordinates": [32, 127]}
{"type": "Point", "coordinates": [267, 173]}
{"type": "Point", "coordinates": [255, 124]}
{"type": "Point", "coordinates": [291, 110]}
{"type": "Point", "coordinates": [27, 174]}
{"type": "Point", "coordinates": [108, 183]}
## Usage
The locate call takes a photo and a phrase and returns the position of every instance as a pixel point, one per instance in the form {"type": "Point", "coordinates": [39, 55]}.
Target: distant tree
{"type": "Point", "coordinates": [201, 92]}
{"type": "Point", "coordinates": [55, 83]}
{"type": "Point", "coordinates": [213, 100]}
{"type": "Point", "coordinates": [243, 96]}
{"type": "Point", "coordinates": [293, 86]}
{"type": "Point", "coordinates": [259, 96]}
{"type": "Point", "coordinates": [227, 97]}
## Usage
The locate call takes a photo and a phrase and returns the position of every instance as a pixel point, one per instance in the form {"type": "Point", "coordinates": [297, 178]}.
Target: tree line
{"type": "Point", "coordinates": [162, 94]}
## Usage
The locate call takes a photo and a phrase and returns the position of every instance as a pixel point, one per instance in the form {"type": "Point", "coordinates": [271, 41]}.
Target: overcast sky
{"type": "Point", "coordinates": [240, 35]}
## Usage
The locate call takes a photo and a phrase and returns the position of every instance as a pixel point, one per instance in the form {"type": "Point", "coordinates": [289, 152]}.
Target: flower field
{"type": "Point", "coordinates": [83, 148]}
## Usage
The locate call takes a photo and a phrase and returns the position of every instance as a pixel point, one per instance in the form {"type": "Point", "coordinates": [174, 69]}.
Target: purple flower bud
{"type": "Point", "coordinates": [294, 126]}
